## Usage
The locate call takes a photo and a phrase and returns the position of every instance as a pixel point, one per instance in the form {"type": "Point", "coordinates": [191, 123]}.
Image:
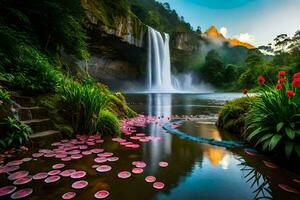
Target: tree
{"type": "Point", "coordinates": [213, 69]}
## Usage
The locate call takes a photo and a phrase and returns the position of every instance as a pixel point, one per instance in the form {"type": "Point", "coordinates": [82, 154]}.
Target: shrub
{"type": "Point", "coordinates": [83, 103]}
{"type": "Point", "coordinates": [232, 115]}
{"type": "Point", "coordinates": [108, 123]}
{"type": "Point", "coordinates": [15, 133]}
{"type": "Point", "coordinates": [273, 122]}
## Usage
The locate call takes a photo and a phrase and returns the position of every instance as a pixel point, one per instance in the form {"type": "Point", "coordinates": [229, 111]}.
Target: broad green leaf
{"type": "Point", "coordinates": [289, 145]}
{"type": "Point", "coordinates": [290, 133]}
{"type": "Point", "coordinates": [274, 141]}
{"type": "Point", "coordinates": [279, 126]}
{"type": "Point", "coordinates": [263, 138]}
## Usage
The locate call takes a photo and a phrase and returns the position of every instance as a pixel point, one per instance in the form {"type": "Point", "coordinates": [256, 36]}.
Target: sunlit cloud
{"type": "Point", "coordinates": [223, 31]}
{"type": "Point", "coordinates": [245, 37]}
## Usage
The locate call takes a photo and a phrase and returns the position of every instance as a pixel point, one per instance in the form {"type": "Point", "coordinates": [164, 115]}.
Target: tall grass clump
{"type": "Point", "coordinates": [108, 123]}
{"type": "Point", "coordinates": [84, 104]}
{"type": "Point", "coordinates": [273, 122]}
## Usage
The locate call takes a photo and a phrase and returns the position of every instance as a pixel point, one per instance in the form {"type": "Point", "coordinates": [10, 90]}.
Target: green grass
{"type": "Point", "coordinates": [108, 123]}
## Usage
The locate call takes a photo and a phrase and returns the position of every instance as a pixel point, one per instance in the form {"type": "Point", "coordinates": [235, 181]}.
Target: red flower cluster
{"type": "Point", "coordinates": [296, 80]}
{"type": "Point", "coordinates": [261, 80]}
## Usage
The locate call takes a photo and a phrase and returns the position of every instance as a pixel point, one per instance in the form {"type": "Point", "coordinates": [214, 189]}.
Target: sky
{"type": "Point", "coordinates": [255, 21]}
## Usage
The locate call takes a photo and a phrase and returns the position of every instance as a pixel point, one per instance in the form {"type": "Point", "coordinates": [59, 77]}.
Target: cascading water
{"type": "Point", "coordinates": [159, 66]}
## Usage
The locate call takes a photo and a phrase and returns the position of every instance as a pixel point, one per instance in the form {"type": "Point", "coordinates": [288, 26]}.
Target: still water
{"type": "Point", "coordinates": [195, 171]}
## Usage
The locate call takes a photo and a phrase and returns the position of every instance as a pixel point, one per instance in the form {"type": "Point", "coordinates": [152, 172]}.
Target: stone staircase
{"type": "Point", "coordinates": [34, 116]}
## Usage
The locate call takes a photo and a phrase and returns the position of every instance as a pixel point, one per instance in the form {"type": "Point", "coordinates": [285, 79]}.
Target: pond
{"type": "Point", "coordinates": [195, 170]}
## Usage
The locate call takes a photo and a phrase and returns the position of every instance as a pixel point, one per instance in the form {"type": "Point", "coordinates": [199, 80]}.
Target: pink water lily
{"type": "Point", "coordinates": [158, 185]}
{"type": "Point", "coordinates": [7, 190]}
{"type": "Point", "coordinates": [79, 184]}
{"type": "Point", "coordinates": [124, 174]}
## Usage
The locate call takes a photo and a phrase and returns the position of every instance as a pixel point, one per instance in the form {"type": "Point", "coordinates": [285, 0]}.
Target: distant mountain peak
{"type": "Point", "coordinates": [213, 33]}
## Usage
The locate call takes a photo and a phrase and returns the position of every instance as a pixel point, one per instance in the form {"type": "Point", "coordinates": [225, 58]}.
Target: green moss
{"type": "Point", "coordinates": [108, 123]}
{"type": "Point", "coordinates": [117, 105]}
{"type": "Point", "coordinates": [232, 115]}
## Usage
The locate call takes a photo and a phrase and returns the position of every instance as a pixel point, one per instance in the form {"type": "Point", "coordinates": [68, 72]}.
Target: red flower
{"type": "Point", "coordinates": [296, 75]}
{"type": "Point", "coordinates": [290, 93]}
{"type": "Point", "coordinates": [245, 91]}
{"type": "Point", "coordinates": [296, 83]}
{"type": "Point", "coordinates": [278, 86]}
{"type": "Point", "coordinates": [261, 80]}
{"type": "Point", "coordinates": [281, 80]}
{"type": "Point", "coordinates": [281, 73]}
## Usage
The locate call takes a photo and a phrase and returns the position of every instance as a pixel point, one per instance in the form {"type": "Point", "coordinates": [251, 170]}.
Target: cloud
{"type": "Point", "coordinates": [223, 30]}
{"type": "Point", "coordinates": [245, 37]}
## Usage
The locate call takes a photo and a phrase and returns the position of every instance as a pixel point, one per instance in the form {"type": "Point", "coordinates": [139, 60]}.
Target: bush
{"type": "Point", "coordinates": [15, 133]}
{"type": "Point", "coordinates": [83, 103]}
{"type": "Point", "coordinates": [232, 115]}
{"type": "Point", "coordinates": [273, 120]}
{"type": "Point", "coordinates": [108, 123]}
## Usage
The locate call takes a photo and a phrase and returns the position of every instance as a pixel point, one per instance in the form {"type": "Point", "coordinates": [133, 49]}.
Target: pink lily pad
{"type": "Point", "coordinates": [163, 164]}
{"type": "Point", "coordinates": [104, 168]}
{"type": "Point", "coordinates": [106, 154]}
{"type": "Point", "coordinates": [95, 166]}
{"type": "Point", "coordinates": [23, 180]}
{"type": "Point", "coordinates": [7, 169]}
{"type": "Point", "coordinates": [37, 155]}
{"type": "Point", "coordinates": [140, 134]}
{"type": "Point", "coordinates": [113, 159]}
{"type": "Point", "coordinates": [7, 190]}
{"type": "Point", "coordinates": [270, 164]}
{"type": "Point", "coordinates": [296, 180]}
{"type": "Point", "coordinates": [139, 164]}
{"type": "Point", "coordinates": [102, 194]}
{"type": "Point", "coordinates": [40, 175]}
{"type": "Point", "coordinates": [58, 166]}
{"type": "Point", "coordinates": [22, 193]}
{"type": "Point", "coordinates": [78, 174]}
{"type": "Point", "coordinates": [14, 163]}
{"type": "Point", "coordinates": [66, 159]}
{"type": "Point", "coordinates": [76, 156]}
{"type": "Point", "coordinates": [26, 159]}
{"type": "Point", "coordinates": [100, 160]}
{"type": "Point", "coordinates": [67, 172]}
{"type": "Point", "coordinates": [150, 179]}
{"type": "Point", "coordinates": [69, 195]}
{"type": "Point", "coordinates": [54, 172]}
{"type": "Point", "coordinates": [52, 179]}
{"type": "Point", "coordinates": [61, 155]}
{"type": "Point", "coordinates": [17, 175]}
{"type": "Point", "coordinates": [97, 151]}
{"type": "Point", "coordinates": [137, 170]}
{"type": "Point", "coordinates": [79, 184]}
{"type": "Point", "coordinates": [86, 153]}
{"type": "Point", "coordinates": [158, 185]}
{"type": "Point", "coordinates": [288, 188]}
{"type": "Point", "coordinates": [124, 174]}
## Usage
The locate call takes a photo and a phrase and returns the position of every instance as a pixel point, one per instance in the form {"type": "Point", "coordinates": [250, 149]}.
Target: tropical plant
{"type": "Point", "coordinates": [84, 102]}
{"type": "Point", "coordinates": [15, 133]}
{"type": "Point", "coordinates": [108, 123]}
{"type": "Point", "coordinates": [273, 122]}
{"type": "Point", "coordinates": [4, 95]}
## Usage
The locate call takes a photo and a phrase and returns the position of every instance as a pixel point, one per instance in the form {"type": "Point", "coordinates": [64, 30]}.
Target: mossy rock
{"type": "Point", "coordinates": [232, 115]}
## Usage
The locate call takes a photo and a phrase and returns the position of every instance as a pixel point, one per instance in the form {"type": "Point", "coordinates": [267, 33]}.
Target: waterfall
{"type": "Point", "coordinates": [159, 65]}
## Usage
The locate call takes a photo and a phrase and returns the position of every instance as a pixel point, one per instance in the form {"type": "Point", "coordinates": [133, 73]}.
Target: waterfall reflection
{"type": "Point", "coordinates": [159, 105]}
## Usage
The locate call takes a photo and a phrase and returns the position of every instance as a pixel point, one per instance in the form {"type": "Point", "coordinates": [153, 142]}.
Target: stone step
{"type": "Point", "coordinates": [44, 134]}
{"type": "Point", "coordinates": [23, 100]}
{"type": "Point", "coordinates": [29, 113]}
{"type": "Point", "coordinates": [39, 125]}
